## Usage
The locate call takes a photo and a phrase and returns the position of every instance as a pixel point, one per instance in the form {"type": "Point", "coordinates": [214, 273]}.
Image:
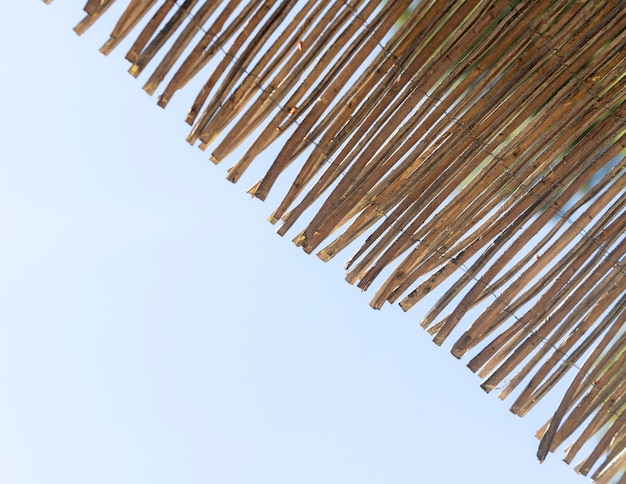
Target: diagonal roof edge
{"type": "Point", "coordinates": [478, 143]}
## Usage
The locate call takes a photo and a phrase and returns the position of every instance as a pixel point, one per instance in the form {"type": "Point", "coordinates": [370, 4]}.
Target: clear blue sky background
{"type": "Point", "coordinates": [154, 329]}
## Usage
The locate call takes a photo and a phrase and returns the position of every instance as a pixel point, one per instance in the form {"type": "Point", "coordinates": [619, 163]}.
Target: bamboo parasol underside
{"type": "Point", "coordinates": [473, 149]}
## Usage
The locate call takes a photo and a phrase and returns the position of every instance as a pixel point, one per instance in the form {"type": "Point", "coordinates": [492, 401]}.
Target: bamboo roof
{"type": "Point", "coordinates": [473, 149]}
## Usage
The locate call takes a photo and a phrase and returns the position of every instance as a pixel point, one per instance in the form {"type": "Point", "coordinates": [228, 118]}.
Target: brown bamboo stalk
{"type": "Point", "coordinates": [567, 280]}
{"type": "Point", "coordinates": [335, 121]}
{"type": "Point", "coordinates": [134, 12]}
{"type": "Point", "coordinates": [453, 319]}
{"type": "Point", "coordinates": [315, 232]}
{"type": "Point", "coordinates": [318, 39]}
{"type": "Point", "coordinates": [568, 215]}
{"type": "Point", "coordinates": [148, 31]}
{"type": "Point", "coordinates": [394, 187]}
{"type": "Point", "coordinates": [549, 334]}
{"type": "Point", "coordinates": [583, 380]}
{"type": "Point", "coordinates": [204, 50]}
{"type": "Point", "coordinates": [534, 392]}
{"type": "Point", "coordinates": [603, 399]}
{"type": "Point", "coordinates": [594, 378]}
{"type": "Point", "coordinates": [271, 59]}
{"type": "Point", "coordinates": [360, 49]}
{"type": "Point", "coordinates": [603, 445]}
{"type": "Point", "coordinates": [464, 220]}
{"type": "Point", "coordinates": [315, 192]}
{"type": "Point", "coordinates": [614, 461]}
{"type": "Point", "coordinates": [256, 16]}
{"type": "Point", "coordinates": [213, 122]}
{"type": "Point", "coordinates": [423, 24]}
{"type": "Point", "coordinates": [426, 244]}
{"type": "Point", "coordinates": [158, 41]}
{"type": "Point", "coordinates": [486, 323]}
{"type": "Point", "coordinates": [549, 299]}
{"type": "Point", "coordinates": [196, 22]}
{"type": "Point", "coordinates": [94, 9]}
{"type": "Point", "coordinates": [479, 330]}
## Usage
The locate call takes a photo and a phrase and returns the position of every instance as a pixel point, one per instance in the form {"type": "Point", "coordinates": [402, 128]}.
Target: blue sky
{"type": "Point", "coordinates": [154, 328]}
